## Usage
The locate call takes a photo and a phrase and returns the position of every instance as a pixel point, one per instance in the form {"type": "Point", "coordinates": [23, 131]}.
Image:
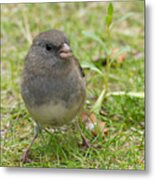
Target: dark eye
{"type": "Point", "coordinates": [48, 47]}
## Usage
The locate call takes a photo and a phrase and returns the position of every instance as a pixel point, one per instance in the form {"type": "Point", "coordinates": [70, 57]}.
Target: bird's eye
{"type": "Point", "coordinates": [48, 47]}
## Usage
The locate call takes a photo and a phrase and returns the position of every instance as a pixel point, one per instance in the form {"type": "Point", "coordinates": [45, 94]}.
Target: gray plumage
{"type": "Point", "coordinates": [53, 85]}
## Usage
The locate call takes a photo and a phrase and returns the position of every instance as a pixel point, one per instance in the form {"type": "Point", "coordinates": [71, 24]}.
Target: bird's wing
{"type": "Point", "coordinates": [79, 67]}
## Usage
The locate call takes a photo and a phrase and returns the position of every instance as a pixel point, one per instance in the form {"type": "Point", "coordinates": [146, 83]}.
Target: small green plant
{"type": "Point", "coordinates": [106, 46]}
{"type": "Point", "coordinates": [108, 22]}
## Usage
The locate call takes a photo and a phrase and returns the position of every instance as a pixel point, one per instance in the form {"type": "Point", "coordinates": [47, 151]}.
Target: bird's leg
{"type": "Point", "coordinates": [85, 141]}
{"type": "Point", "coordinates": [37, 130]}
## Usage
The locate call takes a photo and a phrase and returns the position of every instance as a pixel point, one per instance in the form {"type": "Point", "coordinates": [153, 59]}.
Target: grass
{"type": "Point", "coordinates": [123, 146]}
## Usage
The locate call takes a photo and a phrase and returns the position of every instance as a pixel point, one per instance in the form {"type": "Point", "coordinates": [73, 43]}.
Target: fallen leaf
{"type": "Point", "coordinates": [93, 118]}
{"type": "Point", "coordinates": [94, 125]}
{"type": "Point", "coordinates": [84, 117]}
{"type": "Point", "coordinates": [118, 56]}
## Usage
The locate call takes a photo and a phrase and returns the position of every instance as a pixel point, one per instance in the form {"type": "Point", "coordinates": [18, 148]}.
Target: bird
{"type": "Point", "coordinates": [53, 84]}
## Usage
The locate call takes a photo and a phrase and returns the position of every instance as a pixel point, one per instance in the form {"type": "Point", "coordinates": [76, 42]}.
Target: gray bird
{"type": "Point", "coordinates": [53, 85]}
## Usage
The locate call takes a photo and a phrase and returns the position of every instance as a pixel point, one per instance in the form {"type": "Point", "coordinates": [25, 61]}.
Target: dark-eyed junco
{"type": "Point", "coordinates": [53, 85]}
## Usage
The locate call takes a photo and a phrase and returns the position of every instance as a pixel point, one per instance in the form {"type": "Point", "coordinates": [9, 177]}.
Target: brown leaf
{"type": "Point", "coordinates": [100, 128]}
{"type": "Point", "coordinates": [93, 124]}
{"type": "Point", "coordinates": [93, 118]}
{"type": "Point", "coordinates": [84, 117]}
{"type": "Point", "coordinates": [116, 60]}
{"type": "Point", "coordinates": [121, 58]}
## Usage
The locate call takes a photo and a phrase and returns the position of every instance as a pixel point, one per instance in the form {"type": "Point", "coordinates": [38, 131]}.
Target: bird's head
{"type": "Point", "coordinates": [52, 45]}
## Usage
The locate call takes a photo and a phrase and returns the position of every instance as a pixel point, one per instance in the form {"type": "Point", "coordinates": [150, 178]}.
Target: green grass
{"type": "Point", "coordinates": [123, 146]}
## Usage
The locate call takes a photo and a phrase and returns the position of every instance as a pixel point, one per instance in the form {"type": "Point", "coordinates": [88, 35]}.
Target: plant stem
{"type": "Point", "coordinates": [108, 65]}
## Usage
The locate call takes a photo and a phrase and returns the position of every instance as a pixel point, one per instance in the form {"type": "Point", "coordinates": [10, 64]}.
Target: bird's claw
{"type": "Point", "coordinates": [25, 158]}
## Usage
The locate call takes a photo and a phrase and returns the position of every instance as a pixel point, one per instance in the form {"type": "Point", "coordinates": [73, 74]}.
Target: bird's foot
{"type": "Point", "coordinates": [85, 142]}
{"type": "Point", "coordinates": [25, 158]}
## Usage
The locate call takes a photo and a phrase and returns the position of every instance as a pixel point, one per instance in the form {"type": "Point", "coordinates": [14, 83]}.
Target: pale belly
{"type": "Point", "coordinates": [54, 114]}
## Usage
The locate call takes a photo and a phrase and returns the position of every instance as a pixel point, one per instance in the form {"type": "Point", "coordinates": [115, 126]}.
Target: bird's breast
{"type": "Point", "coordinates": [54, 114]}
{"type": "Point", "coordinates": [54, 100]}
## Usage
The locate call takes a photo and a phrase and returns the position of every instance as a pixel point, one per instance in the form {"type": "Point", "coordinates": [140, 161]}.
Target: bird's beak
{"type": "Point", "coordinates": [65, 51]}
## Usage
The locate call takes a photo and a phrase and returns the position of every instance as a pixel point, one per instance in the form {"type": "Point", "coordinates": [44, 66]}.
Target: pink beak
{"type": "Point", "coordinates": [65, 51]}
